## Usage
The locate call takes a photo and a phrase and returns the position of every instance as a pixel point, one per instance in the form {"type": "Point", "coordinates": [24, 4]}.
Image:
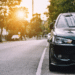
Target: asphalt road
{"type": "Point", "coordinates": [29, 57]}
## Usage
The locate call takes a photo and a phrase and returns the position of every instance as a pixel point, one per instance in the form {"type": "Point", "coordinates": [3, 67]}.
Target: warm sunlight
{"type": "Point", "coordinates": [20, 14]}
{"type": "Point", "coordinates": [27, 4]}
{"type": "Point", "coordinates": [39, 7]}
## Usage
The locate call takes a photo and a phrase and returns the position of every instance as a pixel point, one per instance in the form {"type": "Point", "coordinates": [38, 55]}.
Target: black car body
{"type": "Point", "coordinates": [62, 41]}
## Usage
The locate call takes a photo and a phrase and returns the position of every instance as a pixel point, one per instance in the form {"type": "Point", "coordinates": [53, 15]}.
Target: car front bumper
{"type": "Point", "coordinates": [63, 55]}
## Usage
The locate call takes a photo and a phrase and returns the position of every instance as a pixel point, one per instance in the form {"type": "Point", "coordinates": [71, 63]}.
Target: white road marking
{"type": "Point", "coordinates": [40, 63]}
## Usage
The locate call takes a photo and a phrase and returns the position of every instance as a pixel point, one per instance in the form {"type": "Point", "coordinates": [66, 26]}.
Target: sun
{"type": "Point", "coordinates": [27, 4]}
{"type": "Point", "coordinates": [20, 14]}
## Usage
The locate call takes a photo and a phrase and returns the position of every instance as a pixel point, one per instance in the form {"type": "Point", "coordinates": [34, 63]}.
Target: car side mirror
{"type": "Point", "coordinates": [51, 25]}
{"type": "Point", "coordinates": [54, 21]}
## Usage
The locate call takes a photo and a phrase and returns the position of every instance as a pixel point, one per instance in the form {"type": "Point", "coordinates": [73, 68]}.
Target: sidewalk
{"type": "Point", "coordinates": [27, 38]}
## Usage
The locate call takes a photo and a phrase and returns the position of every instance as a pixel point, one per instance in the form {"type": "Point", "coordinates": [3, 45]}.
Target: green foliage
{"type": "Point", "coordinates": [60, 6]}
{"type": "Point", "coordinates": [16, 23]}
{"type": "Point", "coordinates": [4, 5]}
{"type": "Point", "coordinates": [35, 24]}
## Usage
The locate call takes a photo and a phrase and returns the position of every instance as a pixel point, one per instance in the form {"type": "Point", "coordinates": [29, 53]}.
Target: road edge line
{"type": "Point", "coordinates": [40, 63]}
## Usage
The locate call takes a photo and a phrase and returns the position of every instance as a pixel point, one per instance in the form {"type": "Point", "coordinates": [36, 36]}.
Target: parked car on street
{"type": "Point", "coordinates": [15, 37]}
{"type": "Point", "coordinates": [62, 41]}
{"type": "Point", "coordinates": [48, 37]}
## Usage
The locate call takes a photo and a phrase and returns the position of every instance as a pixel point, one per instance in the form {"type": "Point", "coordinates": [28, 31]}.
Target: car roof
{"type": "Point", "coordinates": [69, 13]}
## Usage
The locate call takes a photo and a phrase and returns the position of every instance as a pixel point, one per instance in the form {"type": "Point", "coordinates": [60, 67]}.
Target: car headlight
{"type": "Point", "coordinates": [61, 40]}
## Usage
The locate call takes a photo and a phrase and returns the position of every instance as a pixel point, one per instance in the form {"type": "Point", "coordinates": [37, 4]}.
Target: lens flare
{"type": "Point", "coordinates": [20, 14]}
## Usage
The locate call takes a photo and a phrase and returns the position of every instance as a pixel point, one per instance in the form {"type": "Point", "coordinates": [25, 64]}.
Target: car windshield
{"type": "Point", "coordinates": [66, 21]}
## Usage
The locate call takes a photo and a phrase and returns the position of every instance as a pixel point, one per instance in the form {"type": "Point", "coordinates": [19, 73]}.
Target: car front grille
{"type": "Point", "coordinates": [66, 51]}
{"type": "Point", "coordinates": [69, 50]}
{"type": "Point", "coordinates": [72, 57]}
{"type": "Point", "coordinates": [73, 42]}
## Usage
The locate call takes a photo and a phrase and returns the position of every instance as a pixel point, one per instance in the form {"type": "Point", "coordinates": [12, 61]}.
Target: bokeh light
{"type": "Point", "coordinates": [20, 14]}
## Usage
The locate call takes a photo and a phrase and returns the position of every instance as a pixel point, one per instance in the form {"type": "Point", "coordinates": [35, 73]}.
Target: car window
{"type": "Point", "coordinates": [66, 21]}
{"type": "Point", "coordinates": [62, 23]}
{"type": "Point", "coordinates": [71, 21]}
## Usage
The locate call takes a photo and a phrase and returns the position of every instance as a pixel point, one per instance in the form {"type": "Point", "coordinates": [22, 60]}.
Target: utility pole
{"type": "Point", "coordinates": [32, 7]}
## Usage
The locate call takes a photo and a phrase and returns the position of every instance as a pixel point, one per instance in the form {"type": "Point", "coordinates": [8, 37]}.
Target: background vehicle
{"type": "Point", "coordinates": [15, 37]}
{"type": "Point", "coordinates": [62, 41]}
{"type": "Point", "coordinates": [48, 37]}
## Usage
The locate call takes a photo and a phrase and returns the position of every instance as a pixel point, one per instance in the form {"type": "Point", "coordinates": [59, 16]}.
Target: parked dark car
{"type": "Point", "coordinates": [62, 42]}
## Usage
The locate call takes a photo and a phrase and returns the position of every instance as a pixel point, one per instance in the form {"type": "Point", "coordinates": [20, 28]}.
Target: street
{"type": "Point", "coordinates": [29, 57]}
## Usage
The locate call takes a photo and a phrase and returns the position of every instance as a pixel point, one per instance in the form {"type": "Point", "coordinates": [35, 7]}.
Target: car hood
{"type": "Point", "coordinates": [67, 33]}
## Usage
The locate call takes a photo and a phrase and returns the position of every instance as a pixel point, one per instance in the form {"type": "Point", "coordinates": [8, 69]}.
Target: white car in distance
{"type": "Point", "coordinates": [15, 37]}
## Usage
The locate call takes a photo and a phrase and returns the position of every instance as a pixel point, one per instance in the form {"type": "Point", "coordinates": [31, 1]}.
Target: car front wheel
{"type": "Point", "coordinates": [51, 67]}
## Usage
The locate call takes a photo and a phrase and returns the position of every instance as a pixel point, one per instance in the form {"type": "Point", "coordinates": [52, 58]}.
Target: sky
{"type": "Point", "coordinates": [40, 6]}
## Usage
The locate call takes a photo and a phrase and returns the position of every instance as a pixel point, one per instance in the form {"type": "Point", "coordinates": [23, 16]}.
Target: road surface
{"type": "Point", "coordinates": [29, 57]}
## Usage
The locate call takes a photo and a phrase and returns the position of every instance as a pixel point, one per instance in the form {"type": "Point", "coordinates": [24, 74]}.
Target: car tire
{"type": "Point", "coordinates": [51, 67]}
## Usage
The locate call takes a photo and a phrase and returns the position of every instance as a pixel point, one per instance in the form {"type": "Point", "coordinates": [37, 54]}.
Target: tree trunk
{"type": "Point", "coordinates": [1, 35]}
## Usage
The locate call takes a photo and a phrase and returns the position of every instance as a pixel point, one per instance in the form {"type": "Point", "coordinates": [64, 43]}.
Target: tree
{"type": "Point", "coordinates": [36, 24]}
{"type": "Point", "coordinates": [18, 22]}
{"type": "Point", "coordinates": [24, 28]}
{"type": "Point", "coordinates": [4, 5]}
{"type": "Point", "coordinates": [60, 6]}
